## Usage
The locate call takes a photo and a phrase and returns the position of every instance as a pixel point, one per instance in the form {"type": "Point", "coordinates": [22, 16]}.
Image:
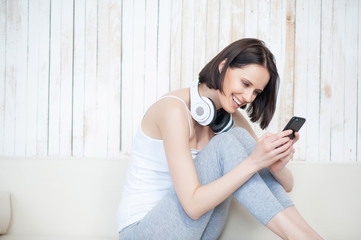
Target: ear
{"type": "Point", "coordinates": [221, 65]}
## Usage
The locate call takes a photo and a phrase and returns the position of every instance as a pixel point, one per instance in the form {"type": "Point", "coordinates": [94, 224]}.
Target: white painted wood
{"type": "Point", "coordinates": [264, 19]}
{"type": "Point", "coordinates": [164, 47]}
{"type": "Point", "coordinates": [150, 55]}
{"type": "Point", "coordinates": [176, 45]}
{"type": "Point", "coordinates": [66, 78]}
{"type": "Point", "coordinates": [90, 76]}
{"type": "Point", "coordinates": [251, 18]}
{"type": "Point", "coordinates": [300, 77]}
{"type": "Point", "coordinates": [43, 80]}
{"type": "Point", "coordinates": [113, 88]}
{"type": "Point", "coordinates": [200, 37]}
{"type": "Point", "coordinates": [285, 62]}
{"type": "Point", "coordinates": [326, 81]}
{"type": "Point", "coordinates": [11, 77]}
{"type": "Point", "coordinates": [338, 86]}
{"type": "Point", "coordinates": [225, 24]}
{"type": "Point", "coordinates": [127, 76]}
{"type": "Point", "coordinates": [20, 74]}
{"type": "Point", "coordinates": [38, 75]}
{"type": "Point", "coordinates": [358, 135]}
{"type": "Point", "coordinates": [138, 64]}
{"type": "Point", "coordinates": [263, 34]}
{"type": "Point", "coordinates": [212, 42]}
{"type": "Point", "coordinates": [3, 29]}
{"type": "Point", "coordinates": [55, 79]}
{"type": "Point", "coordinates": [79, 78]}
{"type": "Point", "coordinates": [237, 19]}
{"type": "Point", "coordinates": [103, 78]}
{"type": "Point", "coordinates": [275, 46]}
{"type": "Point", "coordinates": [187, 76]}
{"type": "Point", "coordinates": [350, 80]}
{"type": "Point", "coordinates": [313, 81]}
{"type": "Point", "coordinates": [88, 99]}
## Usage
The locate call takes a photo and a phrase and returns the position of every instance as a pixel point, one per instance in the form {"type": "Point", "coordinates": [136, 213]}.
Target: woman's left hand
{"type": "Point", "coordinates": [280, 164]}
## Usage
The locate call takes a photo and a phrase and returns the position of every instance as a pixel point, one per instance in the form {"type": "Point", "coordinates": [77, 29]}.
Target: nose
{"type": "Point", "coordinates": [248, 96]}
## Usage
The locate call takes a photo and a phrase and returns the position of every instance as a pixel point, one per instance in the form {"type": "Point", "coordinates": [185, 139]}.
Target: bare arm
{"type": "Point", "coordinates": [195, 198]}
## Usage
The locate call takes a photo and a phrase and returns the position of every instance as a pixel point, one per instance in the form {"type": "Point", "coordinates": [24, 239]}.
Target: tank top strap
{"type": "Point", "coordinates": [186, 107]}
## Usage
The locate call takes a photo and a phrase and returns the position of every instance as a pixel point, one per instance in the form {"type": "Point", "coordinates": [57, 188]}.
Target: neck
{"type": "Point", "coordinates": [204, 91]}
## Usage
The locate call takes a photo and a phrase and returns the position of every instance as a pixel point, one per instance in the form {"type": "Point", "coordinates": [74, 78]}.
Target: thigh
{"type": "Point", "coordinates": [167, 220]}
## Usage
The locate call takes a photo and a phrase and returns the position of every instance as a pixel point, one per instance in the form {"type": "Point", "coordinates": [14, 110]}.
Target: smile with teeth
{"type": "Point", "coordinates": [236, 101]}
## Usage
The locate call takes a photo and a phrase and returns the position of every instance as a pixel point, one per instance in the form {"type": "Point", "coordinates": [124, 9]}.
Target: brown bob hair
{"type": "Point", "coordinates": [239, 54]}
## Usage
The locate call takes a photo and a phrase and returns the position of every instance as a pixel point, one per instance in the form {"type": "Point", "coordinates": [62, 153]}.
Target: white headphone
{"type": "Point", "coordinates": [204, 112]}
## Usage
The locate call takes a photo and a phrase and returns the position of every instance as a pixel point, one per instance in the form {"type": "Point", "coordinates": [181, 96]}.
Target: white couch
{"type": "Point", "coordinates": [63, 199]}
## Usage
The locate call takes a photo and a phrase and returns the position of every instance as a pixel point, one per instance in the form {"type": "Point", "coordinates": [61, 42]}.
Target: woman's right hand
{"type": "Point", "coordinates": [270, 148]}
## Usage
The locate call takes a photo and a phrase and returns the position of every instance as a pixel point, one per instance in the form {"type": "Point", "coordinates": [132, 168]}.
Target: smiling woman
{"type": "Point", "coordinates": [240, 56]}
{"type": "Point", "coordinates": [194, 150]}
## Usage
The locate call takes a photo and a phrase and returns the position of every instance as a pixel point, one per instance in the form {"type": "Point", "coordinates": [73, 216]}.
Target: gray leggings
{"type": "Point", "coordinates": [261, 195]}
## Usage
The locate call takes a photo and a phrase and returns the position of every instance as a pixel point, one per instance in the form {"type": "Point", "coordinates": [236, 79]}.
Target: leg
{"type": "Point", "coordinates": [289, 224]}
{"type": "Point", "coordinates": [275, 188]}
{"type": "Point", "coordinates": [249, 143]}
{"type": "Point", "coordinates": [217, 221]}
{"type": "Point", "coordinates": [254, 195]}
{"type": "Point", "coordinates": [289, 221]}
{"type": "Point", "coordinates": [167, 220]}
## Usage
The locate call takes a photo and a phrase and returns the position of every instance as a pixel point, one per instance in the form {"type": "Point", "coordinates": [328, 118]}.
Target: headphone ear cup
{"type": "Point", "coordinates": [203, 109]}
{"type": "Point", "coordinates": [212, 112]}
{"type": "Point", "coordinates": [223, 122]}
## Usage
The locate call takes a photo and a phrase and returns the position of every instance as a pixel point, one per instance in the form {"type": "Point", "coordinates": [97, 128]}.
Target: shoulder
{"type": "Point", "coordinates": [176, 102]}
{"type": "Point", "coordinates": [172, 111]}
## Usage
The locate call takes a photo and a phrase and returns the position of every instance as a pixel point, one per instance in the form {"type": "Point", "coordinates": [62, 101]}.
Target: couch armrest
{"type": "Point", "coordinates": [5, 211]}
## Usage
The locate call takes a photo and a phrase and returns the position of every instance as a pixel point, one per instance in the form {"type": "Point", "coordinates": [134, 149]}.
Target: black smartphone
{"type": "Point", "coordinates": [295, 124]}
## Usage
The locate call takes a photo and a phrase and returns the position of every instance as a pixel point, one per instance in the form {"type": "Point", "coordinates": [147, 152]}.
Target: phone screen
{"type": "Point", "coordinates": [295, 124]}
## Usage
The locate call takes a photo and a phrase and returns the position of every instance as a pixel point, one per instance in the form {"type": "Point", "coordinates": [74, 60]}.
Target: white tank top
{"type": "Point", "coordinates": [148, 178]}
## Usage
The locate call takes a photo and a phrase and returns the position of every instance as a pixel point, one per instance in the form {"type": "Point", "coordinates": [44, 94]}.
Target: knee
{"type": "Point", "coordinates": [227, 138]}
{"type": "Point", "coordinates": [239, 132]}
{"type": "Point", "coordinates": [229, 144]}
{"type": "Point", "coordinates": [245, 138]}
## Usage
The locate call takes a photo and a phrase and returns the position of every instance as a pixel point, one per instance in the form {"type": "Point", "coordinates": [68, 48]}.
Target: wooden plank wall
{"type": "Point", "coordinates": [76, 76]}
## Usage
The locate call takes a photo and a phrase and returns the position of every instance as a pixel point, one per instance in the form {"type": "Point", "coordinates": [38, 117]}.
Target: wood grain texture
{"type": "Point", "coordinates": [77, 76]}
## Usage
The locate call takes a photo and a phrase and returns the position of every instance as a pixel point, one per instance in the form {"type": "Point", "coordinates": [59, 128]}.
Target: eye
{"type": "Point", "coordinates": [245, 83]}
{"type": "Point", "coordinates": [257, 93]}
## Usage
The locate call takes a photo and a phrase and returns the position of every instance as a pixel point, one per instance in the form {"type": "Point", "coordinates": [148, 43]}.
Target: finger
{"type": "Point", "coordinates": [297, 136]}
{"type": "Point", "coordinates": [282, 135]}
{"type": "Point", "coordinates": [267, 135]}
{"type": "Point", "coordinates": [287, 144]}
{"type": "Point", "coordinates": [280, 142]}
{"type": "Point", "coordinates": [285, 133]}
{"type": "Point", "coordinates": [288, 155]}
{"type": "Point", "coordinates": [285, 157]}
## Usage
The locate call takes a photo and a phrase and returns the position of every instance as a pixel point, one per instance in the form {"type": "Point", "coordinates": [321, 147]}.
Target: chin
{"type": "Point", "coordinates": [230, 110]}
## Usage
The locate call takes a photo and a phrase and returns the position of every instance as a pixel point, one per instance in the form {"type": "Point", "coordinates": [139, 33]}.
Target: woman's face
{"type": "Point", "coordinates": [242, 85]}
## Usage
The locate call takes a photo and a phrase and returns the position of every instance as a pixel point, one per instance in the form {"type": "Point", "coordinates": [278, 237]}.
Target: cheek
{"type": "Point", "coordinates": [254, 98]}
